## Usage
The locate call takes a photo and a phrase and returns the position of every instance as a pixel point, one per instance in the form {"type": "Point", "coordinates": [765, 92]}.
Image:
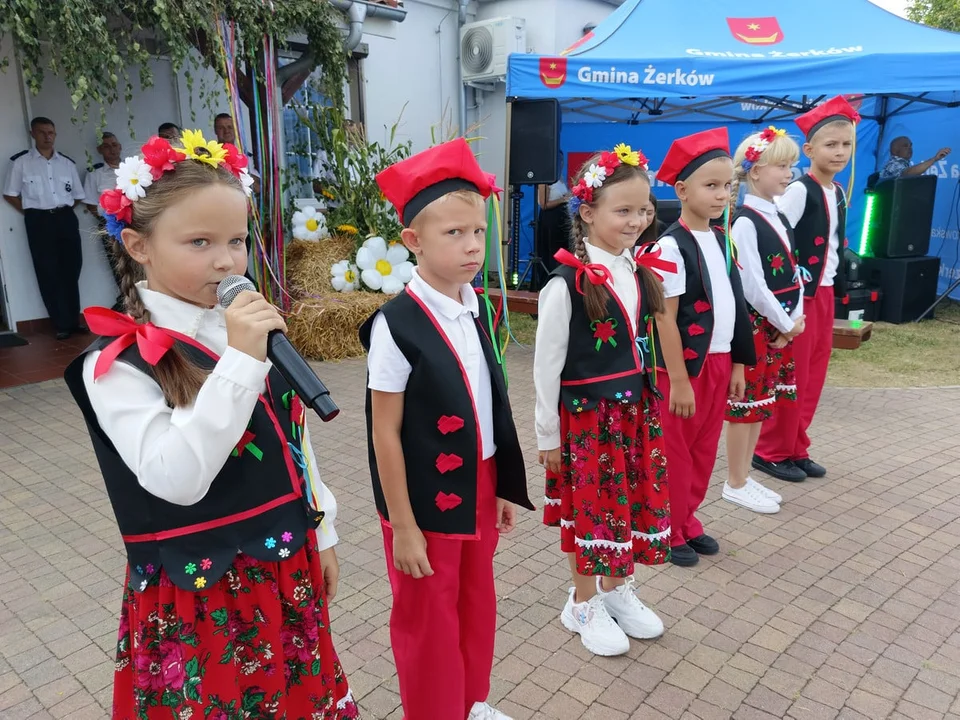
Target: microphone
{"type": "Point", "coordinates": [285, 357]}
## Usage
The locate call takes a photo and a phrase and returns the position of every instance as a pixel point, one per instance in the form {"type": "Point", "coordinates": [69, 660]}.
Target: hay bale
{"type": "Point", "coordinates": [308, 263]}
{"type": "Point", "coordinates": [325, 326]}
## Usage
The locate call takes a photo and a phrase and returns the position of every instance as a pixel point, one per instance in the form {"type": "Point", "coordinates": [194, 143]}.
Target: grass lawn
{"type": "Point", "coordinates": [909, 355]}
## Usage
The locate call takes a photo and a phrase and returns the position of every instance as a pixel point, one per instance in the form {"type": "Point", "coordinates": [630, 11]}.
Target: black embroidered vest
{"type": "Point", "coordinates": [695, 310]}
{"type": "Point", "coordinates": [255, 505]}
{"type": "Point", "coordinates": [604, 359]}
{"type": "Point", "coordinates": [812, 236]}
{"type": "Point", "coordinates": [779, 263]}
{"type": "Point", "coordinates": [440, 434]}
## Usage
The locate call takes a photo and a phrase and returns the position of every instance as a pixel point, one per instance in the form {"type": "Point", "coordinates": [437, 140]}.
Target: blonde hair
{"type": "Point", "coordinates": [179, 378]}
{"type": "Point", "coordinates": [595, 297]}
{"type": "Point", "coordinates": [783, 149]}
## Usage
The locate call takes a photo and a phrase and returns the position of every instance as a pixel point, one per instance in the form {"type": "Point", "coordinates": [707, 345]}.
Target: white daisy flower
{"type": "Point", "coordinates": [595, 176]}
{"type": "Point", "coordinates": [133, 177]}
{"type": "Point", "coordinates": [383, 268]}
{"type": "Point", "coordinates": [284, 552]}
{"type": "Point", "coordinates": [344, 276]}
{"type": "Point", "coordinates": [309, 224]}
{"type": "Point", "coordinates": [246, 179]}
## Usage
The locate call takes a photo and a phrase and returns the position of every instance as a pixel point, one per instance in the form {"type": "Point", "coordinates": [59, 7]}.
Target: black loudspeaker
{"type": "Point", "coordinates": [909, 285]}
{"type": "Point", "coordinates": [901, 213]}
{"type": "Point", "coordinates": [534, 142]}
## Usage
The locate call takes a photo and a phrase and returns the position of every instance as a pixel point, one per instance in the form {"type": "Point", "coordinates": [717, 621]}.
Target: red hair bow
{"type": "Point", "coordinates": [597, 274]}
{"type": "Point", "coordinates": [152, 342]}
{"type": "Point", "coordinates": [649, 256]}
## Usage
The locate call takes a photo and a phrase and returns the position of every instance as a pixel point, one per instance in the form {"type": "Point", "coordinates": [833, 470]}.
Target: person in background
{"type": "Point", "coordinates": [900, 163]}
{"type": "Point", "coordinates": [101, 177]}
{"type": "Point", "coordinates": [44, 186]}
{"type": "Point", "coordinates": [169, 131]}
{"type": "Point", "coordinates": [655, 226]}
{"type": "Point", "coordinates": [553, 226]}
{"type": "Point", "coordinates": [227, 133]}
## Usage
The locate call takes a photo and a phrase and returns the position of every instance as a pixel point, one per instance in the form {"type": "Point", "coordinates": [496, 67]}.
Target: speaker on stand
{"type": "Point", "coordinates": [534, 160]}
{"type": "Point", "coordinates": [908, 285]}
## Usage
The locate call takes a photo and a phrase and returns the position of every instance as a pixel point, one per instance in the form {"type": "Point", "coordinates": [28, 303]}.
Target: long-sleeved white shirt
{"type": "Point", "coordinates": [553, 336]}
{"type": "Point", "coordinates": [177, 452]}
{"type": "Point", "coordinates": [792, 204]}
{"type": "Point", "coordinates": [755, 289]}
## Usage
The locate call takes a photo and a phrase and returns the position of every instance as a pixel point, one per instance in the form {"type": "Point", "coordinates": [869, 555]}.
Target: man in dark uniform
{"type": "Point", "coordinates": [43, 185]}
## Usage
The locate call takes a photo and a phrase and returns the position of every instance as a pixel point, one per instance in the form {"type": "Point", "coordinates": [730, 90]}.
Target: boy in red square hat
{"type": "Point", "coordinates": [444, 455]}
{"type": "Point", "coordinates": [705, 332]}
{"type": "Point", "coordinates": [816, 208]}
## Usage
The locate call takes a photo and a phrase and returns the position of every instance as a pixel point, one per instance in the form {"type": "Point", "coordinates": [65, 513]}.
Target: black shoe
{"type": "Point", "coordinates": [704, 545]}
{"type": "Point", "coordinates": [810, 468]}
{"type": "Point", "coordinates": [63, 335]}
{"type": "Point", "coordinates": [684, 556]}
{"type": "Point", "coordinates": [784, 470]}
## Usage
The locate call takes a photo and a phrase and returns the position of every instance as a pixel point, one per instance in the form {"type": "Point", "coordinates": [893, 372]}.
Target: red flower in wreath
{"type": "Point", "coordinates": [752, 154]}
{"type": "Point", "coordinates": [610, 161]}
{"type": "Point", "coordinates": [234, 159]}
{"type": "Point", "coordinates": [115, 203]}
{"type": "Point", "coordinates": [160, 156]}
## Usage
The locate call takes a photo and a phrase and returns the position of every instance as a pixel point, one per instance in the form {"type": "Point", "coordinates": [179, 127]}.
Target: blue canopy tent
{"type": "Point", "coordinates": [657, 69]}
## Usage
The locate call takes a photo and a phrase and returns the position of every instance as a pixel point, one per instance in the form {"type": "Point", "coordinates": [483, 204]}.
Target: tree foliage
{"type": "Point", "coordinates": [944, 14]}
{"type": "Point", "coordinates": [94, 45]}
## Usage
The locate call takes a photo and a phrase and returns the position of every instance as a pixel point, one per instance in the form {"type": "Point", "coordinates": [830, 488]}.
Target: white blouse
{"type": "Point", "coordinates": [177, 452]}
{"type": "Point", "coordinates": [554, 310]}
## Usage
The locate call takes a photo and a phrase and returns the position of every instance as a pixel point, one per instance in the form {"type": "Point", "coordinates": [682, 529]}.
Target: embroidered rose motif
{"type": "Point", "coordinates": [695, 330]}
{"type": "Point", "coordinates": [701, 306]}
{"type": "Point", "coordinates": [776, 263]}
{"type": "Point", "coordinates": [604, 331]}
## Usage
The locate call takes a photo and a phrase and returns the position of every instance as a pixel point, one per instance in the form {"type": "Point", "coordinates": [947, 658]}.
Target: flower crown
{"type": "Point", "coordinates": [754, 152]}
{"type": "Point", "coordinates": [599, 171]}
{"type": "Point", "coordinates": [138, 172]}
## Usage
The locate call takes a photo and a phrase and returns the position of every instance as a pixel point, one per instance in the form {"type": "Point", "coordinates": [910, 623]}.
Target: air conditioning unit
{"type": "Point", "coordinates": [485, 45]}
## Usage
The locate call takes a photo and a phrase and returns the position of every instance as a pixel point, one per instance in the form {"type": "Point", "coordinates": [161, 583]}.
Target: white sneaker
{"type": "Point", "coordinates": [483, 711]}
{"type": "Point", "coordinates": [633, 617]}
{"type": "Point", "coordinates": [765, 490]}
{"type": "Point", "coordinates": [751, 498]}
{"type": "Point", "coordinates": [598, 632]}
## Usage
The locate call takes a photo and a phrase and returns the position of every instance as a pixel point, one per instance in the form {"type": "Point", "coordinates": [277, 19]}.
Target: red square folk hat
{"type": "Point", "coordinates": [689, 153]}
{"type": "Point", "coordinates": [414, 183]}
{"type": "Point", "coordinates": [834, 109]}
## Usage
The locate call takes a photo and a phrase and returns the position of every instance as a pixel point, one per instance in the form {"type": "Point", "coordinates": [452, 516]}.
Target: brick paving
{"type": "Point", "coordinates": [845, 605]}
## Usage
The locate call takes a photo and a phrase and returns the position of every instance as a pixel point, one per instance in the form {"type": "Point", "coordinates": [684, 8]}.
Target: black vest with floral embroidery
{"type": "Point", "coordinates": [695, 309]}
{"type": "Point", "coordinates": [812, 236]}
{"type": "Point", "coordinates": [604, 359]}
{"type": "Point", "coordinates": [779, 263]}
{"type": "Point", "coordinates": [256, 504]}
{"type": "Point", "coordinates": [440, 432]}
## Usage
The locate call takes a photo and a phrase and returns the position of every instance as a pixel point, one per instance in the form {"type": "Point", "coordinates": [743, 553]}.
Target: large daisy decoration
{"type": "Point", "coordinates": [309, 224]}
{"type": "Point", "coordinates": [133, 178]}
{"type": "Point", "coordinates": [384, 268]}
{"type": "Point", "coordinates": [344, 276]}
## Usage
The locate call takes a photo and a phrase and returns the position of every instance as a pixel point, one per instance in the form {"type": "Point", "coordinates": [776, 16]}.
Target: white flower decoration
{"type": "Point", "coordinates": [383, 268]}
{"type": "Point", "coordinates": [595, 176]}
{"type": "Point", "coordinates": [284, 552]}
{"type": "Point", "coordinates": [246, 179]}
{"type": "Point", "coordinates": [133, 177]}
{"type": "Point", "coordinates": [309, 224]}
{"type": "Point", "coordinates": [345, 276]}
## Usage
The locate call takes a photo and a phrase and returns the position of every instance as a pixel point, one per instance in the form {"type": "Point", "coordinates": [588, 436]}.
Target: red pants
{"type": "Point", "coordinates": [692, 444]}
{"type": "Point", "coordinates": [784, 437]}
{"type": "Point", "coordinates": [442, 627]}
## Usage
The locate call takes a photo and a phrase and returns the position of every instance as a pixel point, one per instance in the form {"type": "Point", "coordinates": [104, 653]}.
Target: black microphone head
{"type": "Point", "coordinates": [230, 287]}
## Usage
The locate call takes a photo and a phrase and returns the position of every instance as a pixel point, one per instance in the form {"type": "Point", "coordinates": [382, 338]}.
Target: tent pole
{"type": "Point", "coordinates": [882, 122]}
{"type": "Point", "coordinates": [507, 192]}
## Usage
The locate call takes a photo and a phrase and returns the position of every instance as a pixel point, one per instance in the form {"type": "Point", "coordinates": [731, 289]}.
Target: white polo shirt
{"type": "Point", "coordinates": [101, 178]}
{"type": "Point", "coordinates": [43, 184]}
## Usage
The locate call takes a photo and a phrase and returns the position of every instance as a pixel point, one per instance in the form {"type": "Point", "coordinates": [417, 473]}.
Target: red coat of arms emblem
{"type": "Point", "coordinates": [756, 31]}
{"type": "Point", "coordinates": [553, 72]}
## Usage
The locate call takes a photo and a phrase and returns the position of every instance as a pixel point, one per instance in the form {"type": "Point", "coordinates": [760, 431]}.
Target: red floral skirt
{"type": "Point", "coordinates": [255, 645]}
{"type": "Point", "coordinates": [772, 380]}
{"type": "Point", "coordinates": [611, 500]}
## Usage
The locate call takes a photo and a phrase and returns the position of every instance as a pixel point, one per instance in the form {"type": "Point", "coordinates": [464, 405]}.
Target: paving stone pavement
{"type": "Point", "coordinates": [844, 605]}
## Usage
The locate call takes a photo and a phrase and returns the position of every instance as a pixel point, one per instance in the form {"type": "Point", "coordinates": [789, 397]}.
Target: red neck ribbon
{"type": "Point", "coordinates": [152, 342]}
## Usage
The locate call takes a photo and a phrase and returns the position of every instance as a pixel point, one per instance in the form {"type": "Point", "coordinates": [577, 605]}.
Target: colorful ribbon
{"type": "Point", "coordinates": [597, 274]}
{"type": "Point", "coordinates": [649, 256]}
{"type": "Point", "coordinates": [801, 273]}
{"type": "Point", "coordinates": [152, 342]}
